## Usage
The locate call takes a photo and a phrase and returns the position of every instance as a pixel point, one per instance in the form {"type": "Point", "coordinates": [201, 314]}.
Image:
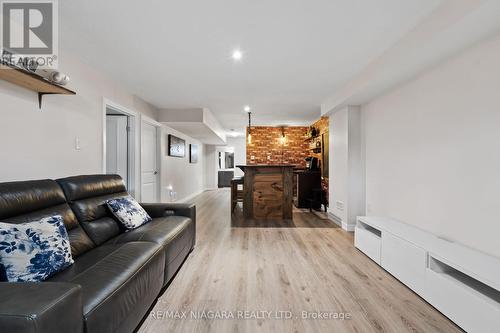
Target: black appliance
{"type": "Point", "coordinates": [312, 163]}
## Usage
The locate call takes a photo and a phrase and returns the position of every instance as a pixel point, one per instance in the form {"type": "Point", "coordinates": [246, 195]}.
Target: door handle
{"type": "Point", "coordinates": [155, 173]}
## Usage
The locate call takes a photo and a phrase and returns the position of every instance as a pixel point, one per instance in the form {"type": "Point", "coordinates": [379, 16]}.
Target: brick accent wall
{"type": "Point", "coordinates": [266, 146]}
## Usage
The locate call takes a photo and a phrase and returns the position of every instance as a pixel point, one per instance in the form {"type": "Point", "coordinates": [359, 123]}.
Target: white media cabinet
{"type": "Point", "coordinates": [462, 283]}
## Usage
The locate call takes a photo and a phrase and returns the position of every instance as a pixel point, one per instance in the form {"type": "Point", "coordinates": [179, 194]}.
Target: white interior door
{"type": "Point", "coordinates": [149, 163]}
{"type": "Point", "coordinates": [117, 146]}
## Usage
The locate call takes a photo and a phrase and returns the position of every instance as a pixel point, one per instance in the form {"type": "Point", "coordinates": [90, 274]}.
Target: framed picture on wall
{"type": "Point", "coordinates": [193, 153]}
{"type": "Point", "coordinates": [176, 146]}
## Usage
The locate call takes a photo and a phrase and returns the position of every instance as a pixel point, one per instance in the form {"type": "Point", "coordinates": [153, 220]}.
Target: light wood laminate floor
{"type": "Point", "coordinates": [286, 270]}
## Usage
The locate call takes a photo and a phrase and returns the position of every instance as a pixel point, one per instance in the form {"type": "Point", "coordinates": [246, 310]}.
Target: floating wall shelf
{"type": "Point", "coordinates": [309, 138]}
{"type": "Point", "coordinates": [32, 82]}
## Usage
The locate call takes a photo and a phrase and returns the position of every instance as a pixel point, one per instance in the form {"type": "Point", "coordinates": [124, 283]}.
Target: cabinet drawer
{"type": "Point", "coordinates": [472, 305]}
{"type": "Point", "coordinates": [367, 239]}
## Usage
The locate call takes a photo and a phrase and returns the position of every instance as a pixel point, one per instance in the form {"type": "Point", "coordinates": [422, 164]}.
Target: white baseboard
{"type": "Point", "coordinates": [348, 227]}
{"type": "Point", "coordinates": [338, 221]}
{"type": "Point", "coordinates": [335, 219]}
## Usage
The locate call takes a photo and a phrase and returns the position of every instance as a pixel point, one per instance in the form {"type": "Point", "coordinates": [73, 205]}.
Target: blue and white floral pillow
{"type": "Point", "coordinates": [128, 212]}
{"type": "Point", "coordinates": [34, 251]}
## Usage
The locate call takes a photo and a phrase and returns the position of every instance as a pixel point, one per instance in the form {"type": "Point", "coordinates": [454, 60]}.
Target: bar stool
{"type": "Point", "coordinates": [236, 193]}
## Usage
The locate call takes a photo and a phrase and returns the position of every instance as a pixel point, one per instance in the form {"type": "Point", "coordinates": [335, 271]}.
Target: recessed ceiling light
{"type": "Point", "coordinates": [247, 108]}
{"type": "Point", "coordinates": [237, 55]}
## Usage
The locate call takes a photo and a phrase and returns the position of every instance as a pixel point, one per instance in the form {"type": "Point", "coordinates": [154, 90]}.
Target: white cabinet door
{"type": "Point", "coordinates": [472, 305]}
{"type": "Point", "coordinates": [149, 164]}
{"type": "Point", "coordinates": [368, 241]}
{"type": "Point", "coordinates": [404, 260]}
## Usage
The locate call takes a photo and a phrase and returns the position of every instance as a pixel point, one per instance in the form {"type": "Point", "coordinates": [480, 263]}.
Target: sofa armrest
{"type": "Point", "coordinates": [36, 307]}
{"type": "Point", "coordinates": [167, 209]}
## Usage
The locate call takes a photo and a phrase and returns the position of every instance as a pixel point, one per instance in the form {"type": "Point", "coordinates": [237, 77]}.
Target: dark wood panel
{"type": "Point", "coordinates": [288, 193]}
{"type": "Point", "coordinates": [268, 192]}
{"type": "Point", "coordinates": [268, 196]}
{"type": "Point", "coordinates": [248, 193]}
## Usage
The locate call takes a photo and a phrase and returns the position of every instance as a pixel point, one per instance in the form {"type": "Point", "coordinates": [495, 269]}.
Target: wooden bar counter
{"type": "Point", "coordinates": [267, 192]}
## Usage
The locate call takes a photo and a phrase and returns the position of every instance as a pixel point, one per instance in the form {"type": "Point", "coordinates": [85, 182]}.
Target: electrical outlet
{"type": "Point", "coordinates": [339, 205]}
{"type": "Point", "coordinates": [252, 157]}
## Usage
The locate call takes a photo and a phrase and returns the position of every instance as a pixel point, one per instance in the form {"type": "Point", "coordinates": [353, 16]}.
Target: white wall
{"type": "Point", "coordinates": [41, 143]}
{"type": "Point", "coordinates": [346, 185]}
{"type": "Point", "coordinates": [210, 165]}
{"type": "Point", "coordinates": [356, 203]}
{"type": "Point", "coordinates": [239, 146]}
{"type": "Point", "coordinates": [212, 123]}
{"type": "Point", "coordinates": [338, 164]}
{"type": "Point", "coordinates": [186, 178]}
{"type": "Point", "coordinates": [433, 150]}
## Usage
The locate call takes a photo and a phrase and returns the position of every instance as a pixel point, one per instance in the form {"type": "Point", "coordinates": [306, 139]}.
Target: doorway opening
{"type": "Point", "coordinates": [119, 143]}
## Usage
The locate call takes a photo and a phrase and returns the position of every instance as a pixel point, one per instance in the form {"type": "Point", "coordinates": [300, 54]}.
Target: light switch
{"type": "Point", "coordinates": [77, 144]}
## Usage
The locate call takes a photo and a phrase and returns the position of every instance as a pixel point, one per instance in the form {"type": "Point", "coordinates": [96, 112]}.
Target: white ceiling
{"type": "Point", "coordinates": [198, 131]}
{"type": "Point", "coordinates": [453, 27]}
{"type": "Point", "coordinates": [176, 54]}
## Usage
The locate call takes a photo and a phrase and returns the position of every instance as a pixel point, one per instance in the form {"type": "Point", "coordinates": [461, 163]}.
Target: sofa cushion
{"type": "Point", "coordinates": [174, 233]}
{"type": "Point", "coordinates": [26, 201]}
{"type": "Point", "coordinates": [34, 251]}
{"type": "Point", "coordinates": [87, 197]}
{"type": "Point", "coordinates": [86, 186]}
{"type": "Point", "coordinates": [20, 197]}
{"type": "Point", "coordinates": [128, 212]}
{"type": "Point", "coordinates": [162, 231]}
{"type": "Point", "coordinates": [34, 307]}
{"type": "Point", "coordinates": [119, 283]}
{"type": "Point", "coordinates": [95, 217]}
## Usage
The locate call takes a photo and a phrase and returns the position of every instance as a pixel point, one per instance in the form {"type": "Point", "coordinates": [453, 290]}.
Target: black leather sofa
{"type": "Point", "coordinates": [117, 275]}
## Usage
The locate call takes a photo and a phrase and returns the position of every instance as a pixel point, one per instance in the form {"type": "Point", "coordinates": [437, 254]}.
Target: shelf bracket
{"type": "Point", "coordinates": [40, 96]}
